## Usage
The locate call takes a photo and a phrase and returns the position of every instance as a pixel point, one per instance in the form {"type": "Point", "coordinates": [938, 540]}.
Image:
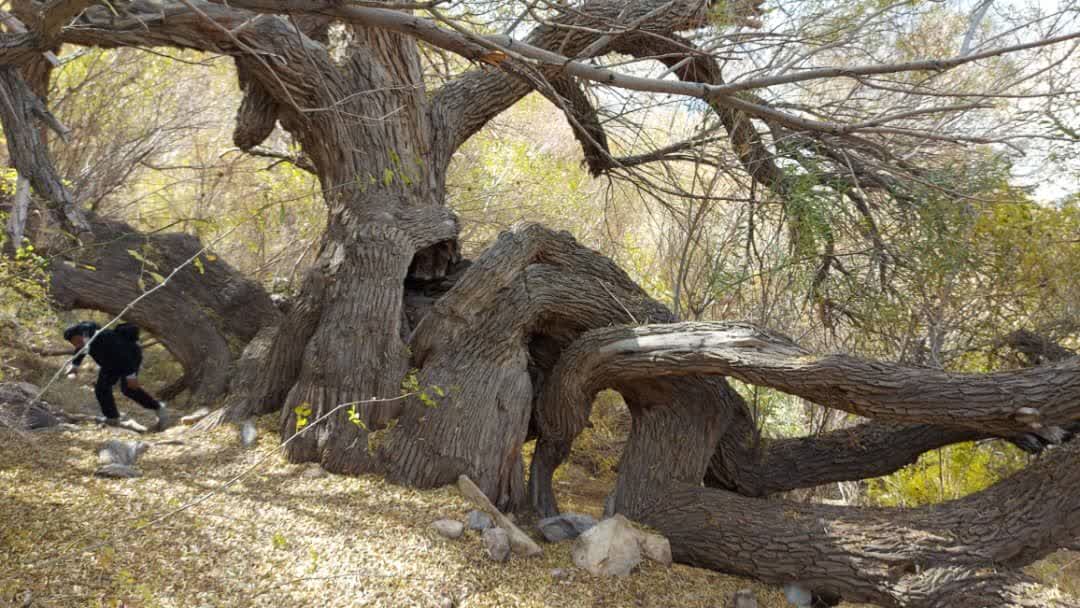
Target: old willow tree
{"type": "Point", "coordinates": [521, 339]}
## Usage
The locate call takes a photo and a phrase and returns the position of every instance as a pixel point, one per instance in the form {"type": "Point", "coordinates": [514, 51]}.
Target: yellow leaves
{"type": "Point", "coordinates": [302, 412]}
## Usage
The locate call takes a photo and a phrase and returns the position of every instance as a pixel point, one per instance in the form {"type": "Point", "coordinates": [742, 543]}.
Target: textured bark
{"type": "Point", "coordinates": [21, 111]}
{"type": "Point", "coordinates": [380, 148]}
{"type": "Point", "coordinates": [962, 553]}
{"type": "Point", "coordinates": [204, 319]}
{"type": "Point", "coordinates": [752, 466]}
{"type": "Point", "coordinates": [533, 288]}
{"type": "Point", "coordinates": [929, 556]}
{"type": "Point", "coordinates": [258, 112]}
{"type": "Point", "coordinates": [1001, 402]}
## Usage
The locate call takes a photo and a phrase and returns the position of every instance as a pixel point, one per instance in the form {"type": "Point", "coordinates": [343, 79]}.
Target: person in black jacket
{"type": "Point", "coordinates": [118, 355]}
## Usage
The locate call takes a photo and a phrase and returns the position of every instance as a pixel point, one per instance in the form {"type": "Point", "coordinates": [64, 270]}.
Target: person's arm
{"type": "Point", "coordinates": [73, 370]}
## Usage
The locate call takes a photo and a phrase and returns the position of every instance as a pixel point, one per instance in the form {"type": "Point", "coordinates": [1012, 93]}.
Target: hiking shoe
{"type": "Point", "coordinates": [164, 418]}
{"type": "Point", "coordinates": [108, 421]}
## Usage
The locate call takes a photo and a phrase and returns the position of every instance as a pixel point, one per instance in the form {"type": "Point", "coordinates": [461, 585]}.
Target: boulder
{"type": "Point", "coordinates": [480, 521]}
{"type": "Point", "coordinates": [20, 410]}
{"type": "Point", "coordinates": [566, 526]}
{"type": "Point", "coordinates": [610, 548]}
{"type": "Point", "coordinates": [655, 547]}
{"type": "Point", "coordinates": [449, 528]}
{"type": "Point", "coordinates": [744, 598]}
{"type": "Point", "coordinates": [497, 544]}
{"type": "Point", "coordinates": [117, 471]}
{"type": "Point", "coordinates": [121, 452]}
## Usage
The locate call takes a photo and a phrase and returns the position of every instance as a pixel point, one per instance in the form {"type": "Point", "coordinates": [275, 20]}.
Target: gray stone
{"type": "Point", "coordinates": [117, 471]}
{"type": "Point", "coordinates": [478, 520]}
{"type": "Point", "coordinates": [744, 598]}
{"type": "Point", "coordinates": [558, 574]}
{"type": "Point", "coordinates": [497, 544]}
{"type": "Point", "coordinates": [609, 548]}
{"type": "Point", "coordinates": [449, 528]}
{"type": "Point", "coordinates": [566, 526]}
{"type": "Point", "coordinates": [248, 434]}
{"type": "Point", "coordinates": [798, 595]}
{"type": "Point", "coordinates": [19, 410]}
{"type": "Point", "coordinates": [121, 452]}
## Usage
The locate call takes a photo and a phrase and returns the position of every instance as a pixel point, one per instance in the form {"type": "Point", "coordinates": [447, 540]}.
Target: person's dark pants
{"type": "Point", "coordinates": [103, 391]}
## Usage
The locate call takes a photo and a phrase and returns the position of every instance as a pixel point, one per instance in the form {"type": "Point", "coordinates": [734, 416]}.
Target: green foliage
{"type": "Point", "coordinates": [278, 541]}
{"type": "Point", "coordinates": [947, 474]}
{"type": "Point", "coordinates": [428, 395]}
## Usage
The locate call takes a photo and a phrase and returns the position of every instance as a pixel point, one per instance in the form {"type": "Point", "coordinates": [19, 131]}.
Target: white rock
{"type": "Point", "coordinates": [121, 452]}
{"type": "Point", "coordinates": [248, 433]}
{"type": "Point", "coordinates": [608, 549]}
{"type": "Point", "coordinates": [744, 598]}
{"type": "Point", "coordinates": [313, 471]}
{"type": "Point", "coordinates": [655, 547]}
{"type": "Point", "coordinates": [798, 595]}
{"type": "Point", "coordinates": [195, 416]}
{"type": "Point", "coordinates": [449, 528]}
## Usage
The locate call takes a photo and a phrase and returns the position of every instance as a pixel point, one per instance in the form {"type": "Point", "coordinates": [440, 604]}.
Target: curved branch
{"type": "Point", "coordinates": [752, 467]}
{"type": "Point", "coordinates": [466, 104]}
{"type": "Point", "coordinates": [584, 123]}
{"type": "Point", "coordinates": [258, 113]}
{"type": "Point", "coordinates": [930, 556]}
{"type": "Point", "coordinates": [1001, 402]}
{"type": "Point", "coordinates": [20, 111]}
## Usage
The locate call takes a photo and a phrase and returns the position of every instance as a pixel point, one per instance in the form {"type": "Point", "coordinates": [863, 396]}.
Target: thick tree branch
{"type": "Point", "coordinates": [751, 466]}
{"type": "Point", "coordinates": [1002, 402]}
{"type": "Point", "coordinates": [930, 556]}
{"type": "Point", "coordinates": [20, 111]}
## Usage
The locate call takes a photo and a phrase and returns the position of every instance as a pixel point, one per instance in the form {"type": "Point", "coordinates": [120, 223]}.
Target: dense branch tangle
{"type": "Point", "coordinates": [512, 333]}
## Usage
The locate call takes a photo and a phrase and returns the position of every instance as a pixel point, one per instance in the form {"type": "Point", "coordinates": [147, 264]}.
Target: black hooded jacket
{"type": "Point", "coordinates": [116, 351]}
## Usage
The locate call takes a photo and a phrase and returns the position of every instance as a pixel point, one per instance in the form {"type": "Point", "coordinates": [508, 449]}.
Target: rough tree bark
{"type": "Point", "coordinates": [488, 351]}
{"type": "Point", "coordinates": [962, 553]}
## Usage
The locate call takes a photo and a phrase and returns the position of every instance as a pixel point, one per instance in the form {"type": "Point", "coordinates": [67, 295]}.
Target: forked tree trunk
{"type": "Point", "coordinates": [501, 325]}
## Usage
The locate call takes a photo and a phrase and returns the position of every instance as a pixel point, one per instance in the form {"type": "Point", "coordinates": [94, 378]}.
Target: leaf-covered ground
{"type": "Point", "coordinates": [275, 538]}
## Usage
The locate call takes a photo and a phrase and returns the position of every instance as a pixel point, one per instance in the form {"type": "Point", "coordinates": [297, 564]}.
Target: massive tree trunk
{"type": "Point", "coordinates": [487, 343]}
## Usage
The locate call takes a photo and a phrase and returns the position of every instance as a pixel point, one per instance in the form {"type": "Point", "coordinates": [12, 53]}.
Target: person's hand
{"type": "Point", "coordinates": [73, 373]}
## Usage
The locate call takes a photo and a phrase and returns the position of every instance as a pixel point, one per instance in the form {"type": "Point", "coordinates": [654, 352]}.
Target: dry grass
{"type": "Point", "coordinates": [278, 538]}
{"type": "Point", "coordinates": [274, 539]}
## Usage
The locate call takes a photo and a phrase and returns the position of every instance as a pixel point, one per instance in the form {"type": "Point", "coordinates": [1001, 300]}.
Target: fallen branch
{"type": "Point", "coordinates": [519, 541]}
